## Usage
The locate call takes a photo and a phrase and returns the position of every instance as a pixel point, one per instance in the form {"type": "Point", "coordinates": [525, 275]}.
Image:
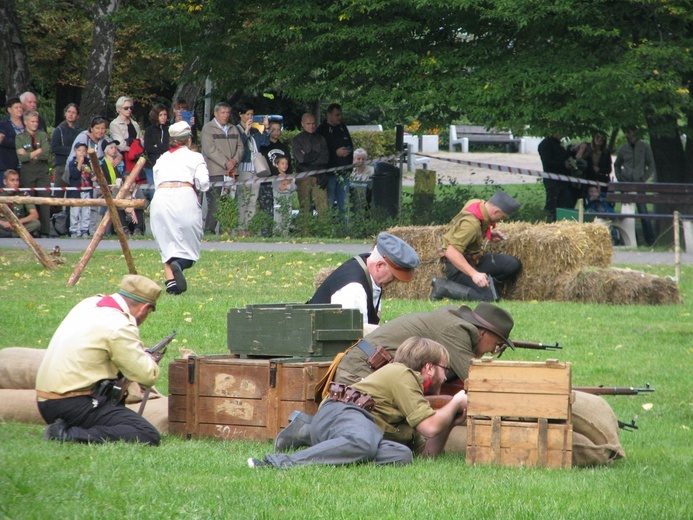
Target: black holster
{"type": "Point", "coordinates": [104, 388]}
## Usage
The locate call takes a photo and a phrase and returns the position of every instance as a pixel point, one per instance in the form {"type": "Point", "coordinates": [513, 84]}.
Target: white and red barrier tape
{"type": "Point", "coordinates": [259, 180]}
{"type": "Point", "coordinates": [520, 171]}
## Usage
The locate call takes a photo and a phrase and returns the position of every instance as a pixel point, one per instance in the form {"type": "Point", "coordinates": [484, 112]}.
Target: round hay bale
{"type": "Point", "coordinates": [621, 287]}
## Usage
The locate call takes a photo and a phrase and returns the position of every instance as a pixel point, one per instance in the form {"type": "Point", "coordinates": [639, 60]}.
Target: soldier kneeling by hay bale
{"type": "Point", "coordinates": [470, 274]}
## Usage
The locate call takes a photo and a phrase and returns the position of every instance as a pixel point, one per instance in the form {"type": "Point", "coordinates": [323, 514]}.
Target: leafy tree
{"type": "Point", "coordinates": [570, 66]}
{"type": "Point", "coordinates": [16, 77]}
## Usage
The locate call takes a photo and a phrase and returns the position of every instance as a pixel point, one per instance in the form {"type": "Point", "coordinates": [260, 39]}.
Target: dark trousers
{"type": "Point", "coordinates": [344, 434]}
{"type": "Point", "coordinates": [212, 195]}
{"type": "Point", "coordinates": [647, 225]}
{"type": "Point", "coordinates": [31, 176]}
{"type": "Point", "coordinates": [101, 423]}
{"type": "Point", "coordinates": [266, 200]}
{"type": "Point", "coordinates": [559, 194]}
{"type": "Point", "coordinates": [502, 268]}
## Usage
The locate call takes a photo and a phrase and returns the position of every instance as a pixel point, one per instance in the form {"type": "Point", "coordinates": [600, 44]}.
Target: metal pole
{"type": "Point", "coordinates": [677, 247]}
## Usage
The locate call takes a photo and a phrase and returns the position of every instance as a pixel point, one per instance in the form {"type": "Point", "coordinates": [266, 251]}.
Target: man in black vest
{"type": "Point", "coordinates": [358, 282]}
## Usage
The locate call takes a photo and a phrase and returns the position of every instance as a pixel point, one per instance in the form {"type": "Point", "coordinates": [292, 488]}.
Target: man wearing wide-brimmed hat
{"type": "Point", "coordinates": [98, 339]}
{"type": "Point", "coordinates": [358, 282]}
{"type": "Point", "coordinates": [465, 333]}
{"type": "Point", "coordinates": [471, 274]}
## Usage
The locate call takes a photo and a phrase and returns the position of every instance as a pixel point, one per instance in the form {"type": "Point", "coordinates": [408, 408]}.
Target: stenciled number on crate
{"type": "Point", "coordinates": [225, 431]}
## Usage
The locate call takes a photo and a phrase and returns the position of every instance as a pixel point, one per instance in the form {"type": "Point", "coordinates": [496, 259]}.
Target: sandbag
{"type": "Point", "coordinates": [457, 441]}
{"type": "Point", "coordinates": [18, 367]}
{"type": "Point", "coordinates": [595, 432]}
{"type": "Point", "coordinates": [156, 412]}
{"type": "Point", "coordinates": [19, 406]}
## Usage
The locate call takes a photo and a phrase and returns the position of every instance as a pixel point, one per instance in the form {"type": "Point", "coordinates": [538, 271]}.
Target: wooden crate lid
{"type": "Point", "coordinates": [489, 375]}
{"type": "Point", "coordinates": [519, 389]}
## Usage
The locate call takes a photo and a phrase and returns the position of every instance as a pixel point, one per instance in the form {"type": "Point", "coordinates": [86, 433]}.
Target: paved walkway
{"type": "Point", "coordinates": [69, 245]}
{"type": "Point", "coordinates": [464, 174]}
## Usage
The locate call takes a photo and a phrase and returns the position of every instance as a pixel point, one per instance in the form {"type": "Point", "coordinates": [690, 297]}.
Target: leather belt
{"type": "Point", "coordinates": [348, 395]}
{"type": "Point", "coordinates": [52, 395]}
{"type": "Point", "coordinates": [175, 184]}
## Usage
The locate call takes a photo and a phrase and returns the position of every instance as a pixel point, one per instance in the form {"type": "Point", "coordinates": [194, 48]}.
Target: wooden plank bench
{"type": "Point", "coordinates": [675, 195]}
{"type": "Point", "coordinates": [365, 128]}
{"type": "Point", "coordinates": [466, 134]}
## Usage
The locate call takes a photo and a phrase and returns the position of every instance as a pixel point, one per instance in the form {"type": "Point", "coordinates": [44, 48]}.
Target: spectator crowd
{"type": "Point", "coordinates": [231, 144]}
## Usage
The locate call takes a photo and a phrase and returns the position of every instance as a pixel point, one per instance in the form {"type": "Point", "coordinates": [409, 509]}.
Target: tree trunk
{"type": "Point", "coordinates": [667, 148]}
{"type": "Point", "coordinates": [670, 161]}
{"type": "Point", "coordinates": [100, 64]}
{"type": "Point", "coordinates": [16, 76]}
{"type": "Point", "coordinates": [191, 89]}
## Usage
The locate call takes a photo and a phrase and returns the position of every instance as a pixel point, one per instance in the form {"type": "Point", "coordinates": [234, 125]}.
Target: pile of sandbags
{"type": "Point", "coordinates": [18, 368]}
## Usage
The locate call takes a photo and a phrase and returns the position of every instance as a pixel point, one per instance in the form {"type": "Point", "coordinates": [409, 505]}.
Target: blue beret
{"type": "Point", "coordinates": [399, 255]}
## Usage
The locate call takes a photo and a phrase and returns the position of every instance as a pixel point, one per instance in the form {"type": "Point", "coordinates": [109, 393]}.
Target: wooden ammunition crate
{"type": "Point", "coordinates": [519, 443]}
{"type": "Point", "coordinates": [292, 330]}
{"type": "Point", "coordinates": [519, 413]}
{"type": "Point", "coordinates": [230, 398]}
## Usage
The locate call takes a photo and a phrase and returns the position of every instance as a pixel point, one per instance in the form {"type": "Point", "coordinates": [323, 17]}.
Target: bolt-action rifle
{"type": "Point", "coordinates": [120, 388]}
{"type": "Point", "coordinates": [614, 390]}
{"type": "Point", "coordinates": [531, 345]}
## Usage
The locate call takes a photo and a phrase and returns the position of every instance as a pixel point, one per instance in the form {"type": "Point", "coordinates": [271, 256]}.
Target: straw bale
{"type": "Point", "coordinates": [559, 262]}
{"type": "Point", "coordinates": [620, 286]}
{"type": "Point", "coordinates": [426, 240]}
{"type": "Point", "coordinates": [321, 276]}
{"type": "Point", "coordinates": [546, 251]}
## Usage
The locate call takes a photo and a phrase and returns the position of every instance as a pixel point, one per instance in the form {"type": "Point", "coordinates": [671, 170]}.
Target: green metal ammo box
{"type": "Point", "coordinates": [292, 329]}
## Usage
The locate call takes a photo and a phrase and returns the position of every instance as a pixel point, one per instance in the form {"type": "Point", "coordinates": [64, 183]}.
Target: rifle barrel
{"type": "Point", "coordinates": [537, 346]}
{"type": "Point", "coordinates": [613, 390]}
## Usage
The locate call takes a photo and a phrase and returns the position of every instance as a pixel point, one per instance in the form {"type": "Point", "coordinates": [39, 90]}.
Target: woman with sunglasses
{"type": "Point", "coordinates": [126, 131]}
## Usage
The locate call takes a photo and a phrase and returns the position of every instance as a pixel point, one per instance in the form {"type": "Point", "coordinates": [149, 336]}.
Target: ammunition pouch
{"type": "Point", "coordinates": [348, 395]}
{"type": "Point", "coordinates": [380, 358]}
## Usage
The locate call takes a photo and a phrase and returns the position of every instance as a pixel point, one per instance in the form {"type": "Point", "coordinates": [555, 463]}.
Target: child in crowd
{"type": "Point", "coordinates": [112, 162]}
{"type": "Point", "coordinates": [595, 201]}
{"type": "Point", "coordinates": [80, 177]}
{"type": "Point", "coordinates": [283, 187]}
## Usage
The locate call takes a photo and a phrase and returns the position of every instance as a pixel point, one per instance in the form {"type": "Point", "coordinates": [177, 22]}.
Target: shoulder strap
{"type": "Point", "coordinates": [368, 279]}
{"type": "Point", "coordinates": [365, 268]}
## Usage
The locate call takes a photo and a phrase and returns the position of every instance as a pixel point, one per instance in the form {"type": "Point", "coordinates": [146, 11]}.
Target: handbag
{"type": "Point", "coordinates": [260, 164]}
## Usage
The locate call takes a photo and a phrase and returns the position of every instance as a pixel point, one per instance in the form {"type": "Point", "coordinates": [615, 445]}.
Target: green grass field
{"type": "Point", "coordinates": [207, 479]}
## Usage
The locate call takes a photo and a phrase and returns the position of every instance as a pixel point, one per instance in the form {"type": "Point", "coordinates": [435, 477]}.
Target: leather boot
{"type": "Point", "coordinates": [296, 434]}
{"type": "Point", "coordinates": [58, 431]}
{"type": "Point", "coordinates": [443, 288]}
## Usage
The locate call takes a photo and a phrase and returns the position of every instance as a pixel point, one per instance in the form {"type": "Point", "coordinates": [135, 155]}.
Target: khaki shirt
{"type": "Point", "coordinates": [466, 233]}
{"type": "Point", "coordinates": [94, 343]}
{"type": "Point", "coordinates": [400, 404]}
{"type": "Point", "coordinates": [443, 325]}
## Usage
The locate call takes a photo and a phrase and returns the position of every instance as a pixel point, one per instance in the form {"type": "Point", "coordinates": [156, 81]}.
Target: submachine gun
{"type": "Point", "coordinates": [119, 390]}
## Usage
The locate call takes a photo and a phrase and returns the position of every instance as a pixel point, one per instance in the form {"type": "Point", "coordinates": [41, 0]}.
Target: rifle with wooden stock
{"type": "Point", "coordinates": [531, 345]}
{"type": "Point", "coordinates": [613, 390]}
{"type": "Point", "coordinates": [119, 390]}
